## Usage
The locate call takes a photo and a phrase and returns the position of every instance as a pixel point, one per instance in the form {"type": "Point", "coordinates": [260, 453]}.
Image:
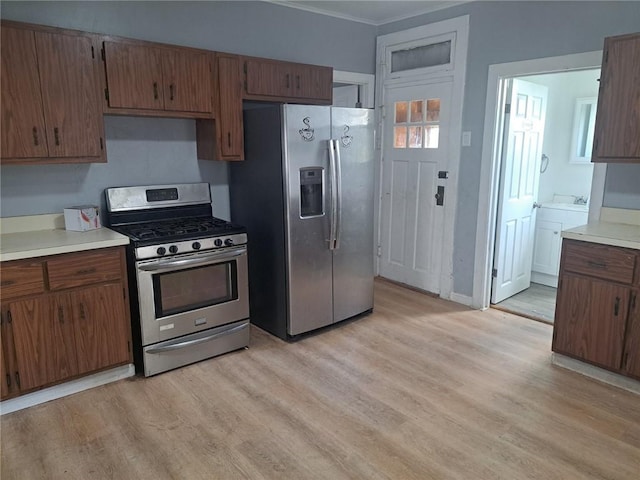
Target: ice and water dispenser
{"type": "Point", "coordinates": [311, 204]}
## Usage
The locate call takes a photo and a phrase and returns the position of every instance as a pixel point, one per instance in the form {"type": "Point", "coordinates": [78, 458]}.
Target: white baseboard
{"type": "Point", "coordinates": [68, 388]}
{"type": "Point", "coordinates": [459, 298]}
{"type": "Point", "coordinates": [596, 373]}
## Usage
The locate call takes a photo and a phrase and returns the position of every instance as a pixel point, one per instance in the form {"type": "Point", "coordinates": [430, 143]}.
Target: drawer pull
{"type": "Point", "coordinates": [82, 315]}
{"type": "Point", "coordinates": [6, 283]}
{"type": "Point", "coordinates": [36, 142]}
{"type": "Point", "coordinates": [56, 136]}
{"type": "Point", "coordinates": [596, 264]}
{"type": "Point", "coordinates": [155, 90]}
{"type": "Point", "coordinates": [18, 379]}
{"type": "Point", "coordinates": [616, 307]}
{"type": "Point", "coordinates": [8, 380]}
{"type": "Point", "coordinates": [86, 271]}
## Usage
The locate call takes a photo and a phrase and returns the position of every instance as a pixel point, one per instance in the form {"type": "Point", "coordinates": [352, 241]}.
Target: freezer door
{"type": "Point", "coordinates": [308, 192]}
{"type": "Point", "coordinates": [353, 133]}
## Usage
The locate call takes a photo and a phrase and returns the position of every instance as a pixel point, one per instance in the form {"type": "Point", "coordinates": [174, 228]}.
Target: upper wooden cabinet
{"type": "Point", "coordinates": [617, 130]}
{"type": "Point", "coordinates": [50, 108]}
{"type": "Point", "coordinates": [224, 138]}
{"type": "Point", "coordinates": [158, 79]}
{"type": "Point", "coordinates": [293, 82]}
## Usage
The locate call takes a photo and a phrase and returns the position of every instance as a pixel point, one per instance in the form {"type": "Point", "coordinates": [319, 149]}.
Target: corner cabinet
{"type": "Point", "coordinates": [597, 317]}
{"type": "Point", "coordinates": [50, 111]}
{"type": "Point", "coordinates": [617, 130]}
{"type": "Point", "coordinates": [63, 317]}
{"type": "Point", "coordinates": [153, 79]}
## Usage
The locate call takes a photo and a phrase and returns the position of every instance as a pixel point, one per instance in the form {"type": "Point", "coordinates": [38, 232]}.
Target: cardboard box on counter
{"type": "Point", "coordinates": [82, 218]}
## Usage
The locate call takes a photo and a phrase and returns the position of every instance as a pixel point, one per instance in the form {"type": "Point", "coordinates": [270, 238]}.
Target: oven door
{"type": "Point", "coordinates": [188, 293]}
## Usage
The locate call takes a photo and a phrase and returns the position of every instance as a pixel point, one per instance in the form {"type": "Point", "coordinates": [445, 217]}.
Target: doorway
{"type": "Point", "coordinates": [561, 196]}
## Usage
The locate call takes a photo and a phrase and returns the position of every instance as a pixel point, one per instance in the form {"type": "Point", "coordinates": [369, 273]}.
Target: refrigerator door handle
{"type": "Point", "coordinates": [338, 184]}
{"type": "Point", "coordinates": [334, 195]}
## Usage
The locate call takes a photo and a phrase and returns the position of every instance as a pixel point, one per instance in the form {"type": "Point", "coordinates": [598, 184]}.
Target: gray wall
{"type": "Point", "coordinates": [156, 151]}
{"type": "Point", "coordinates": [501, 32]}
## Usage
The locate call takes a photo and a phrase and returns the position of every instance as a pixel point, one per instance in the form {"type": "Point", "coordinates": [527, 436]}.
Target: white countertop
{"type": "Point", "coordinates": [606, 233]}
{"type": "Point", "coordinates": [40, 235]}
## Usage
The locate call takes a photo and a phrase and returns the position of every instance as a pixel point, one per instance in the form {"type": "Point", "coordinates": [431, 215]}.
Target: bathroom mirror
{"type": "Point", "coordinates": [584, 120]}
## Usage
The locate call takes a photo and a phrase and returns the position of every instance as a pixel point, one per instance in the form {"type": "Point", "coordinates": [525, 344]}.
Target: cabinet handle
{"type": "Point", "coordinates": [625, 361]}
{"type": "Point", "coordinates": [596, 264]}
{"type": "Point", "coordinates": [616, 307]}
{"type": "Point", "coordinates": [82, 315]}
{"type": "Point", "coordinates": [298, 82]}
{"type": "Point", "coordinates": [36, 142]}
{"type": "Point", "coordinates": [155, 90]}
{"type": "Point", "coordinates": [9, 316]}
{"type": "Point", "coordinates": [56, 136]}
{"type": "Point", "coordinates": [171, 91]}
{"type": "Point", "coordinates": [287, 80]}
{"type": "Point", "coordinates": [60, 315]}
{"type": "Point", "coordinates": [229, 139]}
{"type": "Point", "coordinates": [18, 379]}
{"type": "Point", "coordinates": [86, 271]}
{"type": "Point", "coordinates": [8, 380]}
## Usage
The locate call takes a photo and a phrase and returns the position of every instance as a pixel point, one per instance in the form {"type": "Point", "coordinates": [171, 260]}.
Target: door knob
{"type": "Point", "coordinates": [537, 205]}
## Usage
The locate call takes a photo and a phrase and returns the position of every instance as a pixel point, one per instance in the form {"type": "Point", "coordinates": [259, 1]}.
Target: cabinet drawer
{"type": "Point", "coordinates": [24, 278]}
{"type": "Point", "coordinates": [600, 261]}
{"type": "Point", "coordinates": [76, 269]}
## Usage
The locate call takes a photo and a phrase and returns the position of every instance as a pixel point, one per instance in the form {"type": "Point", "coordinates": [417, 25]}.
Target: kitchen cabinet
{"type": "Point", "coordinates": [617, 137]}
{"type": "Point", "coordinates": [50, 108]}
{"type": "Point", "coordinates": [158, 79]}
{"type": "Point", "coordinates": [224, 139]}
{"type": "Point", "coordinates": [289, 82]}
{"type": "Point", "coordinates": [631, 357]}
{"type": "Point", "coordinates": [63, 316]}
{"type": "Point", "coordinates": [596, 317]}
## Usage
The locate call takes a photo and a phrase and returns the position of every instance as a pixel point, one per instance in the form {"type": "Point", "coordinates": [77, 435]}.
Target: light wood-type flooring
{"type": "Point", "coordinates": [421, 389]}
{"type": "Point", "coordinates": [537, 302]}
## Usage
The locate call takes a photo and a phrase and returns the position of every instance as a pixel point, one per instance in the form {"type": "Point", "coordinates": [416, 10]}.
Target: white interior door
{"type": "Point", "coordinates": [416, 139]}
{"type": "Point", "coordinates": [519, 178]}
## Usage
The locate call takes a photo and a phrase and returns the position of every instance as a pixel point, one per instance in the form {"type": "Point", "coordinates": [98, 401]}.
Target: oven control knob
{"type": "Point", "coordinates": [228, 242]}
{"type": "Point", "coordinates": [217, 242]}
{"type": "Point", "coordinates": [196, 245]}
{"type": "Point", "coordinates": [173, 249]}
{"type": "Point", "coordinates": [161, 251]}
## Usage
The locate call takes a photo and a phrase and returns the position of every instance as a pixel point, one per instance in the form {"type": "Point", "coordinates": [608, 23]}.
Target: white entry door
{"type": "Point", "coordinates": [519, 179]}
{"type": "Point", "coordinates": [416, 139]}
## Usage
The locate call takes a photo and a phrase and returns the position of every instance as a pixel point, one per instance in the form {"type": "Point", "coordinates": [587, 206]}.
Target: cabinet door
{"type": "Point", "coordinates": [101, 327]}
{"type": "Point", "coordinates": [268, 78]}
{"type": "Point", "coordinates": [312, 82]}
{"type": "Point", "coordinates": [187, 81]}
{"type": "Point", "coordinates": [229, 121]}
{"type": "Point", "coordinates": [590, 320]}
{"type": "Point", "coordinates": [134, 76]}
{"type": "Point", "coordinates": [23, 127]}
{"type": "Point", "coordinates": [631, 359]}
{"type": "Point", "coordinates": [617, 118]}
{"type": "Point", "coordinates": [546, 250]}
{"type": "Point", "coordinates": [44, 340]}
{"type": "Point", "coordinates": [69, 91]}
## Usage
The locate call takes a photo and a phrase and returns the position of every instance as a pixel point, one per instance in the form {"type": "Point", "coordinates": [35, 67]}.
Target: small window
{"type": "Point", "coordinates": [417, 123]}
{"type": "Point", "coordinates": [421, 57]}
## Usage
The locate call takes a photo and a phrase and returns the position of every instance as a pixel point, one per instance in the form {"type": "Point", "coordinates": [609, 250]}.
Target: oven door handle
{"type": "Point", "coordinates": [200, 260]}
{"type": "Point", "coordinates": [189, 343]}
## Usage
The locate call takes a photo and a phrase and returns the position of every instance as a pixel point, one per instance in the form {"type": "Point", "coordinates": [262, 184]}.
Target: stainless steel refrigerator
{"type": "Point", "coordinates": [305, 195]}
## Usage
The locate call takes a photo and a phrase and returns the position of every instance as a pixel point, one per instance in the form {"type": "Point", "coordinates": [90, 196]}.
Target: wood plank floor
{"type": "Point", "coordinates": [537, 302]}
{"type": "Point", "coordinates": [421, 389]}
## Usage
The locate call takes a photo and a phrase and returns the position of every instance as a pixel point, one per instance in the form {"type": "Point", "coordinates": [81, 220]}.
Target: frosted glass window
{"type": "Point", "coordinates": [401, 112]}
{"type": "Point", "coordinates": [433, 110]}
{"type": "Point", "coordinates": [421, 57]}
{"type": "Point", "coordinates": [400, 137]}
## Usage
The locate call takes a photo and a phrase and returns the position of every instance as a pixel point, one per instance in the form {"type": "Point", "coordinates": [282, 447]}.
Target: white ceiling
{"type": "Point", "coordinates": [372, 12]}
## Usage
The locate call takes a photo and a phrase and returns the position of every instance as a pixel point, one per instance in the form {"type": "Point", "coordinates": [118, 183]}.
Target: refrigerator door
{"type": "Point", "coordinates": [306, 133]}
{"type": "Point", "coordinates": [353, 133]}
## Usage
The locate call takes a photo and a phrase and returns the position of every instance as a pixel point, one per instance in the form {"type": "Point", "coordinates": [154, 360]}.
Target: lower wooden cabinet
{"type": "Point", "coordinates": [597, 315]}
{"type": "Point", "coordinates": [78, 325]}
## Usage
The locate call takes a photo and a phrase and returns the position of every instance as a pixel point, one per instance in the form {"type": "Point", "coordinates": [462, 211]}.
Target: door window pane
{"type": "Point", "coordinates": [400, 137]}
{"type": "Point", "coordinates": [431, 134]}
{"type": "Point", "coordinates": [433, 109]}
{"type": "Point", "coordinates": [421, 57]}
{"type": "Point", "coordinates": [415, 137]}
{"type": "Point", "coordinates": [416, 110]}
{"type": "Point", "coordinates": [401, 112]}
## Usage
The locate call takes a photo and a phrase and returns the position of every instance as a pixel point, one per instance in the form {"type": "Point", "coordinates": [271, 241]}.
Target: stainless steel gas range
{"type": "Point", "coordinates": [187, 274]}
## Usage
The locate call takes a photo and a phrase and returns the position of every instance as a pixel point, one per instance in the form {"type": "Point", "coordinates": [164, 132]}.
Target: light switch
{"type": "Point", "coordinates": [466, 139]}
